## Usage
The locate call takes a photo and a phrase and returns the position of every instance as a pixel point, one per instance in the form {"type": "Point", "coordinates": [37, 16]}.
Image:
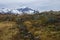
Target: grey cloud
{"type": "Point", "coordinates": [35, 4]}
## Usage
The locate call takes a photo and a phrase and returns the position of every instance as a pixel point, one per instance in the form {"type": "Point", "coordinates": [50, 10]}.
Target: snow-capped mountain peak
{"type": "Point", "coordinates": [18, 10]}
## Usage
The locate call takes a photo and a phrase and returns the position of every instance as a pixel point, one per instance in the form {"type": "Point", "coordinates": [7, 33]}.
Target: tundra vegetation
{"type": "Point", "coordinates": [38, 26]}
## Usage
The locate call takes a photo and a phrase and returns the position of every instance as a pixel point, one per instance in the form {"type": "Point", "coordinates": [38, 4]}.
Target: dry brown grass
{"type": "Point", "coordinates": [8, 30]}
{"type": "Point", "coordinates": [6, 24]}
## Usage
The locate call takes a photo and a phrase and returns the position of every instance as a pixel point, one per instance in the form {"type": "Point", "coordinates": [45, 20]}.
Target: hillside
{"type": "Point", "coordinates": [38, 26]}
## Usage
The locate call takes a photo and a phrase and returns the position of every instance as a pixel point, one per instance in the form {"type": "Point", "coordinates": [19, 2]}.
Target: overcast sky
{"type": "Point", "coordinates": [41, 5]}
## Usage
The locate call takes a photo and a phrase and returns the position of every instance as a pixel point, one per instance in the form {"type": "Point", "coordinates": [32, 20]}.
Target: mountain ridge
{"type": "Point", "coordinates": [18, 10]}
